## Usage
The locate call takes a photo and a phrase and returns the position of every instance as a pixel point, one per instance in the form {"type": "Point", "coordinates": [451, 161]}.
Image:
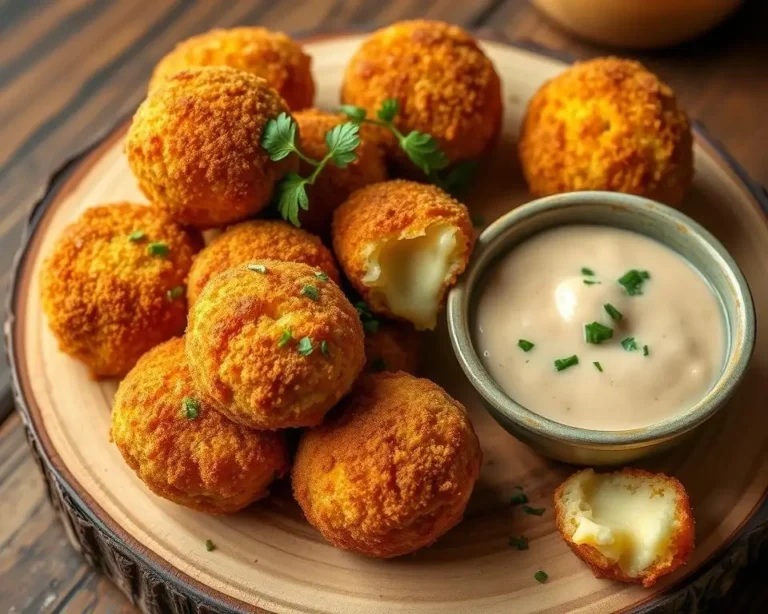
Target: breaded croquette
{"type": "Point", "coordinates": [181, 448]}
{"type": "Point", "coordinates": [258, 240]}
{"type": "Point", "coordinates": [391, 469]}
{"type": "Point", "coordinates": [402, 244]}
{"type": "Point", "coordinates": [195, 146]}
{"type": "Point", "coordinates": [445, 85]}
{"type": "Point", "coordinates": [273, 56]}
{"type": "Point", "coordinates": [113, 286]}
{"type": "Point", "coordinates": [274, 344]}
{"type": "Point", "coordinates": [630, 525]}
{"type": "Point", "coordinates": [389, 346]}
{"type": "Point", "coordinates": [334, 185]}
{"type": "Point", "coordinates": [607, 124]}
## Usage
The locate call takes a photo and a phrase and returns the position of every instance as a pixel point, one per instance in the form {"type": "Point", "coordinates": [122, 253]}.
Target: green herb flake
{"type": "Point", "coordinates": [324, 348]}
{"type": "Point", "coordinates": [158, 249]}
{"type": "Point", "coordinates": [285, 339]}
{"type": "Point", "coordinates": [633, 280]}
{"type": "Point", "coordinates": [190, 408]}
{"type": "Point", "coordinates": [305, 347]}
{"type": "Point", "coordinates": [591, 282]}
{"type": "Point", "coordinates": [521, 543]}
{"type": "Point", "coordinates": [613, 312]}
{"type": "Point", "coordinates": [629, 344]}
{"type": "Point", "coordinates": [533, 511]}
{"type": "Point", "coordinates": [136, 236]}
{"type": "Point", "coordinates": [209, 545]}
{"type": "Point", "coordinates": [587, 271]}
{"type": "Point", "coordinates": [311, 292]}
{"type": "Point", "coordinates": [518, 498]}
{"type": "Point", "coordinates": [596, 333]}
{"type": "Point", "coordinates": [354, 113]}
{"type": "Point", "coordinates": [370, 323]}
{"type": "Point", "coordinates": [541, 576]}
{"type": "Point", "coordinates": [175, 292]}
{"type": "Point", "coordinates": [561, 364]}
{"type": "Point", "coordinates": [525, 345]}
{"type": "Point", "coordinates": [321, 275]}
{"type": "Point", "coordinates": [598, 366]}
{"type": "Point", "coordinates": [257, 268]}
{"type": "Point", "coordinates": [645, 350]}
{"type": "Point", "coordinates": [378, 365]}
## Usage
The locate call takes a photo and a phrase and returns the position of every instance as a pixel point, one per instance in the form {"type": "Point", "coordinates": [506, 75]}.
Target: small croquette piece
{"type": "Point", "coordinates": [445, 84]}
{"type": "Point", "coordinates": [402, 244]}
{"type": "Point", "coordinates": [334, 185]}
{"type": "Point", "coordinates": [391, 470]}
{"type": "Point", "coordinates": [194, 146]}
{"type": "Point", "coordinates": [274, 344]}
{"type": "Point", "coordinates": [183, 449]}
{"type": "Point", "coordinates": [113, 285]}
{"type": "Point", "coordinates": [393, 346]}
{"type": "Point", "coordinates": [273, 56]}
{"type": "Point", "coordinates": [630, 525]}
{"type": "Point", "coordinates": [607, 124]}
{"type": "Point", "coordinates": [258, 240]}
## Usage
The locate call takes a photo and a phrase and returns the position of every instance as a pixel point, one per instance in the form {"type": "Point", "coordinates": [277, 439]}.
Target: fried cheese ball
{"type": "Point", "coordinates": [195, 146]}
{"type": "Point", "coordinates": [445, 84]}
{"type": "Point", "coordinates": [630, 525]}
{"type": "Point", "coordinates": [274, 344]}
{"type": "Point", "coordinates": [113, 285]}
{"type": "Point", "coordinates": [183, 449]}
{"type": "Point", "coordinates": [273, 56]}
{"type": "Point", "coordinates": [607, 124]}
{"type": "Point", "coordinates": [391, 470]}
{"type": "Point", "coordinates": [334, 185]}
{"type": "Point", "coordinates": [258, 240]}
{"type": "Point", "coordinates": [402, 244]}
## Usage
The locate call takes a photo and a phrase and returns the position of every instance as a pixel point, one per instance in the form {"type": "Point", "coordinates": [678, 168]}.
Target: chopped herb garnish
{"type": "Point", "coordinates": [633, 281]}
{"type": "Point", "coordinates": [613, 312]}
{"type": "Point", "coordinates": [137, 235]}
{"type": "Point", "coordinates": [378, 365]}
{"type": "Point", "coordinates": [645, 350]}
{"type": "Point", "coordinates": [533, 511]}
{"type": "Point", "coordinates": [257, 268]}
{"type": "Point", "coordinates": [321, 275]}
{"type": "Point", "coordinates": [521, 543]}
{"type": "Point", "coordinates": [305, 347]}
{"type": "Point", "coordinates": [629, 344]}
{"type": "Point", "coordinates": [311, 292]}
{"type": "Point", "coordinates": [285, 339]}
{"type": "Point", "coordinates": [370, 323]}
{"type": "Point", "coordinates": [561, 364]}
{"type": "Point", "coordinates": [592, 282]}
{"type": "Point", "coordinates": [158, 249]}
{"type": "Point", "coordinates": [525, 345]}
{"type": "Point", "coordinates": [597, 333]}
{"type": "Point", "coordinates": [324, 348]}
{"type": "Point", "coordinates": [586, 271]}
{"type": "Point", "coordinates": [175, 292]}
{"type": "Point", "coordinates": [518, 498]}
{"type": "Point", "coordinates": [598, 366]}
{"type": "Point", "coordinates": [190, 408]}
{"type": "Point", "coordinates": [209, 545]}
{"type": "Point", "coordinates": [541, 576]}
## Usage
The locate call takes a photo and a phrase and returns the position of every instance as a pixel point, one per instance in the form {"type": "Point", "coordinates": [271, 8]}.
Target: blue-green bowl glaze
{"type": "Point", "coordinates": [666, 225]}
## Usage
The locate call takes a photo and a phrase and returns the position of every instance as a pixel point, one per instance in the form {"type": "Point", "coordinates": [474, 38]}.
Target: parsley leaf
{"type": "Point", "coordinates": [279, 138]}
{"type": "Point", "coordinates": [285, 338]}
{"type": "Point", "coordinates": [342, 140]}
{"type": "Point", "coordinates": [633, 281]}
{"type": "Point", "coordinates": [190, 408]}
{"type": "Point", "coordinates": [389, 108]}
{"type": "Point", "coordinates": [305, 347]}
{"type": "Point", "coordinates": [321, 275]}
{"type": "Point", "coordinates": [424, 151]}
{"type": "Point", "coordinates": [311, 292]}
{"type": "Point", "coordinates": [355, 113]}
{"type": "Point", "coordinates": [292, 197]}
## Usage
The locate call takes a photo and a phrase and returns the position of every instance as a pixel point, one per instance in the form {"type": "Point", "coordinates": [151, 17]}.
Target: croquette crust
{"type": "Point", "coordinates": [682, 543]}
{"type": "Point", "coordinates": [445, 84]}
{"type": "Point", "coordinates": [391, 470]}
{"type": "Point", "coordinates": [272, 56]}
{"type": "Point", "coordinates": [258, 240]}
{"type": "Point", "coordinates": [233, 338]}
{"type": "Point", "coordinates": [607, 124]}
{"type": "Point", "coordinates": [194, 146]}
{"type": "Point", "coordinates": [334, 185]}
{"type": "Point", "coordinates": [105, 296]}
{"type": "Point", "coordinates": [395, 346]}
{"type": "Point", "coordinates": [208, 463]}
{"type": "Point", "coordinates": [395, 210]}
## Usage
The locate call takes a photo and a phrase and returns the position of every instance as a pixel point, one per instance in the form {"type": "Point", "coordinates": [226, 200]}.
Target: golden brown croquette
{"type": "Point", "coordinates": [113, 285]}
{"type": "Point", "coordinates": [607, 124]}
{"type": "Point", "coordinates": [445, 84]}
{"type": "Point", "coordinates": [391, 470]}
{"type": "Point", "coordinates": [273, 56]}
{"type": "Point", "coordinates": [258, 240]}
{"type": "Point", "coordinates": [183, 449]}
{"type": "Point", "coordinates": [274, 344]}
{"type": "Point", "coordinates": [393, 346]}
{"type": "Point", "coordinates": [402, 244]}
{"type": "Point", "coordinates": [195, 146]}
{"type": "Point", "coordinates": [334, 185]}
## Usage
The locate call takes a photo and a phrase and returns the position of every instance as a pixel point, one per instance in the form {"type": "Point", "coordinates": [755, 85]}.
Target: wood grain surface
{"type": "Point", "coordinates": [71, 68]}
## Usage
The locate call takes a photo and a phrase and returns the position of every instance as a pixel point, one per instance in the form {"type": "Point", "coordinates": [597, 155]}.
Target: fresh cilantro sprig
{"type": "Point", "coordinates": [279, 140]}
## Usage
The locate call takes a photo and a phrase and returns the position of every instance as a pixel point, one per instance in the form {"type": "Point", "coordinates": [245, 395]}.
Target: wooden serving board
{"type": "Point", "coordinates": [268, 558]}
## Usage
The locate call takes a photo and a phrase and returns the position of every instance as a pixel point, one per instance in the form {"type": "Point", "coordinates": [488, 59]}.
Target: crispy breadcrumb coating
{"type": "Point", "coordinates": [273, 56]}
{"type": "Point", "coordinates": [607, 124]}
{"type": "Point", "coordinates": [391, 470]}
{"type": "Point", "coordinates": [661, 511]}
{"type": "Point", "coordinates": [248, 344]}
{"type": "Point", "coordinates": [183, 449]}
{"type": "Point", "coordinates": [394, 346]}
{"type": "Point", "coordinates": [107, 297]}
{"type": "Point", "coordinates": [378, 215]}
{"type": "Point", "coordinates": [334, 185]}
{"type": "Point", "coordinates": [445, 84]}
{"type": "Point", "coordinates": [258, 240]}
{"type": "Point", "coordinates": [195, 146]}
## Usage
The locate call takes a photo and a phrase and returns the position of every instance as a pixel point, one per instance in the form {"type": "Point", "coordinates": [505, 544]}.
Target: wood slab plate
{"type": "Point", "coordinates": [268, 558]}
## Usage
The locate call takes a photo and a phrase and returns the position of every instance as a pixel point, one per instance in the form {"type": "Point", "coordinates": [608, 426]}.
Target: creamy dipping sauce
{"type": "Point", "coordinates": [537, 293]}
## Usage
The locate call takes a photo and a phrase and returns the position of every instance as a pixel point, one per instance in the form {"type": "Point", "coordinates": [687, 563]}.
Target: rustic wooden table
{"type": "Point", "coordinates": [71, 68]}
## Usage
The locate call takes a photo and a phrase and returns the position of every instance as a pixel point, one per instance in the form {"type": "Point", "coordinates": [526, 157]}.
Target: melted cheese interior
{"type": "Point", "coordinates": [410, 273]}
{"type": "Point", "coordinates": [629, 520]}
